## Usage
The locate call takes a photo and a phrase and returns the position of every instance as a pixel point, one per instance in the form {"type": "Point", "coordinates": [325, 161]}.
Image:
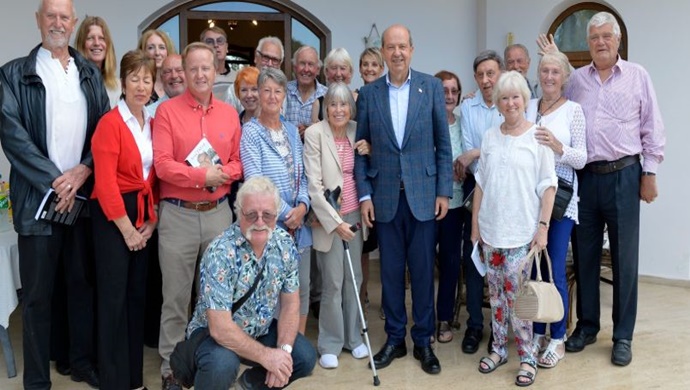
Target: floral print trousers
{"type": "Point", "coordinates": [506, 270]}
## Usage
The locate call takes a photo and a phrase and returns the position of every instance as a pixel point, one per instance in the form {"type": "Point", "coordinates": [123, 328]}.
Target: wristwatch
{"type": "Point", "coordinates": [287, 348]}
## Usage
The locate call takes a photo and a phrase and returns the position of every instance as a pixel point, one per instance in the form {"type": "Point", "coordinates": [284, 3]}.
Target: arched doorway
{"type": "Point", "coordinates": [245, 22]}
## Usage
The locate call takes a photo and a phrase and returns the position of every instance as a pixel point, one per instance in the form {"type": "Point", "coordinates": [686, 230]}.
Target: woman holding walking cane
{"type": "Point", "coordinates": [329, 149]}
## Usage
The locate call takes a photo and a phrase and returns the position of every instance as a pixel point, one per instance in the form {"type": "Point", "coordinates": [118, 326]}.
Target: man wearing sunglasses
{"type": "Point", "coordinates": [248, 277]}
{"type": "Point", "coordinates": [223, 87]}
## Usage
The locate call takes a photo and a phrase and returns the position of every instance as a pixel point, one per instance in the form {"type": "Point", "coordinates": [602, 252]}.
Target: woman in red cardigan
{"type": "Point", "coordinates": [123, 210]}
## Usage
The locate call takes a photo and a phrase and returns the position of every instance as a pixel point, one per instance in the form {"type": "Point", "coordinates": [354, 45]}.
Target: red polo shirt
{"type": "Point", "coordinates": [180, 124]}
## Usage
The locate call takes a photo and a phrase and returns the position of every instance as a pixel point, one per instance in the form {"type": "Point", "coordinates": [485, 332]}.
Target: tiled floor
{"type": "Point", "coordinates": [661, 355]}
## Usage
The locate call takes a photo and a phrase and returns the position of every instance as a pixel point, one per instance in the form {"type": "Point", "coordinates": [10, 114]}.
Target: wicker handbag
{"type": "Point", "coordinates": [537, 300]}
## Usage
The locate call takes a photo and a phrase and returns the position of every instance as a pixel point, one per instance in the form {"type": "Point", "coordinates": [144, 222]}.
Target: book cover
{"type": "Point", "coordinates": [203, 155]}
{"type": "Point", "coordinates": [46, 210]}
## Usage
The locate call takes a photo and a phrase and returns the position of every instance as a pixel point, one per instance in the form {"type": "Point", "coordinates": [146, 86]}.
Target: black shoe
{"type": "Point", "coordinates": [430, 363]}
{"type": "Point", "coordinates": [389, 352]}
{"type": "Point", "coordinates": [170, 383]}
{"type": "Point", "coordinates": [578, 340]}
{"type": "Point", "coordinates": [62, 368]}
{"type": "Point", "coordinates": [470, 343]}
{"type": "Point", "coordinates": [88, 375]}
{"type": "Point", "coordinates": [315, 309]}
{"type": "Point", "coordinates": [621, 355]}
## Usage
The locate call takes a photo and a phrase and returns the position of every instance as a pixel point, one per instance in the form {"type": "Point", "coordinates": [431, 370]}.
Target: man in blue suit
{"type": "Point", "coordinates": [404, 185]}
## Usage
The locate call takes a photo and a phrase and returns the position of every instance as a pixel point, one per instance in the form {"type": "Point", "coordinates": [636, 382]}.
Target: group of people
{"type": "Point", "coordinates": [401, 159]}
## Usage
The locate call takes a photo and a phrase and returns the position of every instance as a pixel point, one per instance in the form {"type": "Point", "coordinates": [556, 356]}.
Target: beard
{"type": "Point", "coordinates": [53, 41]}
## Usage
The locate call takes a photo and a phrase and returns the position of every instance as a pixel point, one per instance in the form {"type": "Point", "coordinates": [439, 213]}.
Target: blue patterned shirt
{"type": "Point", "coordinates": [298, 112]}
{"type": "Point", "coordinates": [228, 270]}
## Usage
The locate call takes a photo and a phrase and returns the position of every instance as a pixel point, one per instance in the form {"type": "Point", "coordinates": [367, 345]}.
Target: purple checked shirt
{"type": "Point", "coordinates": [622, 114]}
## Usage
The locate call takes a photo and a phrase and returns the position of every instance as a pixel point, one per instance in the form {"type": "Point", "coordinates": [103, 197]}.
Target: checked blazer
{"type": "Point", "coordinates": [423, 163]}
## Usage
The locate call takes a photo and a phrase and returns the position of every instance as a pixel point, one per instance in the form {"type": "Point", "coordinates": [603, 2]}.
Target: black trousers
{"type": "Point", "coordinates": [121, 277]}
{"type": "Point", "coordinates": [613, 200]}
{"type": "Point", "coordinates": [39, 260]}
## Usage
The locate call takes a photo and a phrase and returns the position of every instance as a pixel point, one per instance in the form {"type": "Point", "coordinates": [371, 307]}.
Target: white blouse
{"type": "Point", "coordinates": [567, 123]}
{"type": "Point", "coordinates": [513, 173]}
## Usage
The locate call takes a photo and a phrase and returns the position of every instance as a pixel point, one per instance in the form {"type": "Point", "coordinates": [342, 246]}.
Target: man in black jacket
{"type": "Point", "coordinates": [52, 101]}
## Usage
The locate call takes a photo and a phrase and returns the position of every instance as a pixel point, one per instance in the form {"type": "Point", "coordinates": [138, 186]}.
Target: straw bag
{"type": "Point", "coordinates": [537, 300]}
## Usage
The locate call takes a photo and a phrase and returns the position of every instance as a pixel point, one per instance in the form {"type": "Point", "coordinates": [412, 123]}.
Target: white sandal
{"type": "Point", "coordinates": [550, 358]}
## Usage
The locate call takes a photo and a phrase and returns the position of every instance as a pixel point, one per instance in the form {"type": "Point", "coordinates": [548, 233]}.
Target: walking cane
{"type": "Point", "coordinates": [332, 199]}
{"type": "Point", "coordinates": [365, 330]}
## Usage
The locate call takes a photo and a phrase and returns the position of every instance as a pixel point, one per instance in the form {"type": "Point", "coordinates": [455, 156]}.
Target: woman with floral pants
{"type": "Point", "coordinates": [513, 198]}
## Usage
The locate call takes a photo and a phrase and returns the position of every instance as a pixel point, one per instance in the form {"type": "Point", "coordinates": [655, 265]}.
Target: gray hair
{"type": "Point", "coordinates": [515, 46]}
{"type": "Point", "coordinates": [273, 40]}
{"type": "Point", "coordinates": [276, 75]}
{"type": "Point", "coordinates": [304, 48]}
{"type": "Point", "coordinates": [257, 185]}
{"type": "Point", "coordinates": [338, 55]}
{"type": "Point", "coordinates": [561, 61]}
{"type": "Point", "coordinates": [487, 55]}
{"type": "Point", "coordinates": [511, 81]}
{"type": "Point", "coordinates": [339, 93]}
{"type": "Point", "coordinates": [601, 18]}
{"type": "Point", "coordinates": [42, 2]}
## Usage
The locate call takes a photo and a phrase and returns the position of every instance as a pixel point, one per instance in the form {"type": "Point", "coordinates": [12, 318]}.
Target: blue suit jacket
{"type": "Point", "coordinates": [423, 163]}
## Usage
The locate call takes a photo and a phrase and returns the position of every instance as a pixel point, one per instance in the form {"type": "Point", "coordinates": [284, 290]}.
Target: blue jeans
{"type": "Point", "coordinates": [218, 367]}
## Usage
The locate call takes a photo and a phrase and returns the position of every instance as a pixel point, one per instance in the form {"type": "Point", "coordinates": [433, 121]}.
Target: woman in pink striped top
{"type": "Point", "coordinates": [329, 163]}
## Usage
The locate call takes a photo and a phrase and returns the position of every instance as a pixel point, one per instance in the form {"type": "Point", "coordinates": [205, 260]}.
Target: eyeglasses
{"type": "Point", "coordinates": [268, 59]}
{"type": "Point", "coordinates": [218, 41]}
{"type": "Point", "coordinates": [253, 216]}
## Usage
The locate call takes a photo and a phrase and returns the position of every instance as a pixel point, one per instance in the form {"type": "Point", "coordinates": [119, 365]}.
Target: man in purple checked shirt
{"type": "Point", "coordinates": [623, 123]}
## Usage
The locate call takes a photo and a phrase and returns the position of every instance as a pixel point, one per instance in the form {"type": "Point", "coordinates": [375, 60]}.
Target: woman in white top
{"type": "Point", "coordinates": [561, 127]}
{"type": "Point", "coordinates": [513, 198]}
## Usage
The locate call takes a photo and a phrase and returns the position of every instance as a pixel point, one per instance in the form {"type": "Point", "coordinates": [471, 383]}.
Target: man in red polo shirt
{"type": "Point", "coordinates": [193, 207]}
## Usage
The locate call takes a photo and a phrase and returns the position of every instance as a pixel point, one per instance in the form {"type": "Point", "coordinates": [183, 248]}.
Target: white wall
{"type": "Point", "coordinates": [447, 35]}
{"type": "Point", "coordinates": [655, 43]}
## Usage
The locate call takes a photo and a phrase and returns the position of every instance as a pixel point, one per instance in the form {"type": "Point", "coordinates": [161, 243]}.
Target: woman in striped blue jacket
{"type": "Point", "coordinates": [271, 147]}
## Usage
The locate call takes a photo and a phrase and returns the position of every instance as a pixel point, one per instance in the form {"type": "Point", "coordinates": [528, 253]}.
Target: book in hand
{"type": "Point", "coordinates": [46, 211]}
{"type": "Point", "coordinates": [203, 156]}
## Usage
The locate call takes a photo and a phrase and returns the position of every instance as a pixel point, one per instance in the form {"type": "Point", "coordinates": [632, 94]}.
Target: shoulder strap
{"type": "Point", "coordinates": [238, 304]}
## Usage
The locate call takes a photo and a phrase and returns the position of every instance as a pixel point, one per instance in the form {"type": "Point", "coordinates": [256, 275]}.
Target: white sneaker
{"type": "Point", "coordinates": [360, 352]}
{"type": "Point", "coordinates": [328, 361]}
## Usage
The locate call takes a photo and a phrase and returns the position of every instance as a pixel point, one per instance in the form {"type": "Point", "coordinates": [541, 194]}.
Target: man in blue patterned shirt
{"type": "Point", "coordinates": [229, 268]}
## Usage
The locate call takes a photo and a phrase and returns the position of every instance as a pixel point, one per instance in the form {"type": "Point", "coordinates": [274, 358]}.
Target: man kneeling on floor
{"type": "Point", "coordinates": [254, 266]}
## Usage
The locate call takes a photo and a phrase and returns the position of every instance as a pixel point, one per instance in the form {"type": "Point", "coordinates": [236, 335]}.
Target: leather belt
{"type": "Point", "coordinates": [198, 206]}
{"type": "Point", "coordinates": [604, 167]}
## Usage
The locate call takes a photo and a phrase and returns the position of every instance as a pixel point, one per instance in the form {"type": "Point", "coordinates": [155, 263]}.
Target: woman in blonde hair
{"type": "Point", "coordinates": [94, 42]}
{"type": "Point", "coordinates": [157, 45]}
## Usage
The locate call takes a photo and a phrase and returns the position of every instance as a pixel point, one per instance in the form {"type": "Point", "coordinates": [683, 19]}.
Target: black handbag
{"type": "Point", "coordinates": [564, 193]}
{"type": "Point", "coordinates": [182, 359]}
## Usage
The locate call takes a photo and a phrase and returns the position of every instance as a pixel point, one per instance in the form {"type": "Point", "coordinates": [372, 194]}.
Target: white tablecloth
{"type": "Point", "coordinates": [9, 275]}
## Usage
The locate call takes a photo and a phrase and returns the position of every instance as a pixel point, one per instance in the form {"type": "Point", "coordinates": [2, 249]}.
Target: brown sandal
{"type": "Point", "coordinates": [444, 334]}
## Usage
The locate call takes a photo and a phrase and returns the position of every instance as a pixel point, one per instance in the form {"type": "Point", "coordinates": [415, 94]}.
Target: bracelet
{"type": "Point", "coordinates": [647, 173]}
{"type": "Point", "coordinates": [546, 225]}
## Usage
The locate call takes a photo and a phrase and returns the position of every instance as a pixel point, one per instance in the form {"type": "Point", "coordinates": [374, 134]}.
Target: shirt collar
{"type": "Point", "coordinates": [193, 103]}
{"type": "Point", "coordinates": [407, 81]}
{"type": "Point", "coordinates": [127, 114]}
{"type": "Point", "coordinates": [616, 68]}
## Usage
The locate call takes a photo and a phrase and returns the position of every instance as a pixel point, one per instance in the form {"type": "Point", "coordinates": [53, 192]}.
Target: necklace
{"type": "Point", "coordinates": [541, 112]}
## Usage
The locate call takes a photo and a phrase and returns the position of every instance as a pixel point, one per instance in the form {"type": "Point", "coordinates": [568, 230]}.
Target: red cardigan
{"type": "Point", "coordinates": [118, 169]}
